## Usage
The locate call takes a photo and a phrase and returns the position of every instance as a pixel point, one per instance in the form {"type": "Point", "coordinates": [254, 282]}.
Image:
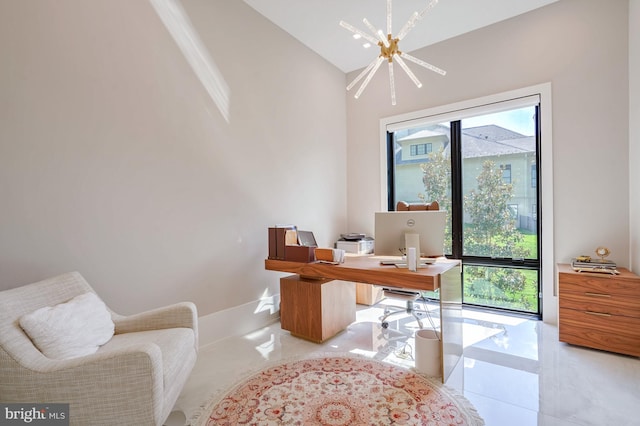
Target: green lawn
{"type": "Point", "coordinates": [530, 242]}
{"type": "Point", "coordinates": [485, 292]}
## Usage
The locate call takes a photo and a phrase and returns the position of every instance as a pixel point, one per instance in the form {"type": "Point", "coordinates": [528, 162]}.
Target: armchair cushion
{"type": "Point", "coordinates": [72, 329]}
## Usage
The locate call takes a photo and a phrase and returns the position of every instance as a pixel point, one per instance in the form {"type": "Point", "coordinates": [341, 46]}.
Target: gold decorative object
{"type": "Point", "coordinates": [389, 50]}
{"type": "Point", "coordinates": [603, 252]}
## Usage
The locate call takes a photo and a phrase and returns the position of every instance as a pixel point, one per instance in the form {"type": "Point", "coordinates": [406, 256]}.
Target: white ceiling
{"type": "Point", "coordinates": [315, 23]}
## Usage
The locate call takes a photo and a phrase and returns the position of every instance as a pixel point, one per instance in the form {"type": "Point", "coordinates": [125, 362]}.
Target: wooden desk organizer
{"type": "Point", "coordinates": [286, 243]}
{"type": "Point", "coordinates": [299, 253]}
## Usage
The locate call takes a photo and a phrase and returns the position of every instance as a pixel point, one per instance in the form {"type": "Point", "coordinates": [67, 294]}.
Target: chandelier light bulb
{"type": "Point", "coordinates": [376, 65]}
{"type": "Point", "coordinates": [409, 25]}
{"type": "Point", "coordinates": [406, 69]}
{"type": "Point", "coordinates": [389, 20]}
{"type": "Point", "coordinates": [362, 74]}
{"type": "Point", "coordinates": [383, 38]}
{"type": "Point", "coordinates": [392, 84]}
{"type": "Point", "coordinates": [353, 29]}
{"type": "Point", "coordinates": [424, 64]}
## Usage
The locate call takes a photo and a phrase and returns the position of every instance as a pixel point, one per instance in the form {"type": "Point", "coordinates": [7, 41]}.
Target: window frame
{"type": "Point", "coordinates": [506, 173]}
{"type": "Point", "coordinates": [548, 301]}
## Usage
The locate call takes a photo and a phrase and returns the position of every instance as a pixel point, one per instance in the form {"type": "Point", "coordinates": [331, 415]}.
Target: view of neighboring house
{"type": "Point", "coordinates": [513, 152]}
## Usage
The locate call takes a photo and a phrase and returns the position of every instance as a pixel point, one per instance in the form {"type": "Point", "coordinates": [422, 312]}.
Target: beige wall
{"type": "Point", "coordinates": [580, 47]}
{"type": "Point", "coordinates": [114, 160]}
{"type": "Point", "coordinates": [634, 132]}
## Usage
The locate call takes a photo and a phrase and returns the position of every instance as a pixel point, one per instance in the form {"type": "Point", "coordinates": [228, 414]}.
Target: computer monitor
{"type": "Point", "coordinates": [391, 227]}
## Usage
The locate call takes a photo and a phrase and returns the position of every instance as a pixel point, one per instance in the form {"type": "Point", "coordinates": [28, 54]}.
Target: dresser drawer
{"type": "Point", "coordinates": [600, 331]}
{"type": "Point", "coordinates": [619, 286]}
{"type": "Point", "coordinates": [605, 303]}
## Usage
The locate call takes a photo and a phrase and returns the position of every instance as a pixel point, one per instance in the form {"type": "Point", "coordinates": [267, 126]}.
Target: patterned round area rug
{"type": "Point", "coordinates": [339, 391]}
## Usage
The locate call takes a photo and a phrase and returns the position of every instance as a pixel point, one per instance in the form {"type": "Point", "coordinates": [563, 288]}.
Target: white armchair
{"type": "Point", "coordinates": [134, 379]}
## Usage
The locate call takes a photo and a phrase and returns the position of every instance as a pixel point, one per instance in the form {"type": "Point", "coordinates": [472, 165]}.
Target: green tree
{"type": "Point", "coordinates": [492, 232]}
{"type": "Point", "coordinates": [436, 177]}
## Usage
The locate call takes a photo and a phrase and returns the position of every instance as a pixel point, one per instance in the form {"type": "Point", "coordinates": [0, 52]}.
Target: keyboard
{"type": "Point", "coordinates": [403, 262]}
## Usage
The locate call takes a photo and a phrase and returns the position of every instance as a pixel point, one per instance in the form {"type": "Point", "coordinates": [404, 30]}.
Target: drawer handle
{"type": "Point", "coordinates": [596, 294]}
{"type": "Point", "coordinates": [600, 314]}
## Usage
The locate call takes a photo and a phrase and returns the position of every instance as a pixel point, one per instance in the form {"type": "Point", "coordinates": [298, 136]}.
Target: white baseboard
{"type": "Point", "coordinates": [238, 320]}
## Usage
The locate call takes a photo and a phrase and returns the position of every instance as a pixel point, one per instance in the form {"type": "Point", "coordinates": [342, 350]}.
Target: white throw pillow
{"type": "Point", "coordinates": [72, 329]}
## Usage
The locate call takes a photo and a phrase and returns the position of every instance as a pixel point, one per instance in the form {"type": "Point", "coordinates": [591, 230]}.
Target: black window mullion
{"type": "Point", "coordinates": [539, 204]}
{"type": "Point", "coordinates": [456, 189]}
{"type": "Point", "coordinates": [391, 162]}
{"type": "Point", "coordinates": [538, 188]}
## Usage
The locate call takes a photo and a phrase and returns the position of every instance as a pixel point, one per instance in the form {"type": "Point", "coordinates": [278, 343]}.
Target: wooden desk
{"type": "Point", "coordinates": [367, 269]}
{"type": "Point", "coordinates": [443, 275]}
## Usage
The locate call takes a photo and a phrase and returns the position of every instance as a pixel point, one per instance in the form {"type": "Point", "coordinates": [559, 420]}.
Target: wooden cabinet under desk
{"type": "Point", "coordinates": [316, 309]}
{"type": "Point", "coordinates": [598, 310]}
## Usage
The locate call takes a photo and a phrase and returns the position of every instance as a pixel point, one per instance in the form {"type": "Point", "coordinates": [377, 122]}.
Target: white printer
{"type": "Point", "coordinates": [355, 243]}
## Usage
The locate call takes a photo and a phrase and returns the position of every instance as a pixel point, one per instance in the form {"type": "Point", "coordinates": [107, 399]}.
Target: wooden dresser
{"type": "Point", "coordinates": [600, 311]}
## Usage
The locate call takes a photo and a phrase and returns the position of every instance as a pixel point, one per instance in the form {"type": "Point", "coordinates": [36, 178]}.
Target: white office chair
{"type": "Point", "coordinates": [415, 305]}
{"type": "Point", "coordinates": [411, 307]}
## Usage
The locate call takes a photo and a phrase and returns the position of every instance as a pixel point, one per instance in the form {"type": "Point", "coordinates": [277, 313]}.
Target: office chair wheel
{"type": "Point", "coordinates": [385, 324]}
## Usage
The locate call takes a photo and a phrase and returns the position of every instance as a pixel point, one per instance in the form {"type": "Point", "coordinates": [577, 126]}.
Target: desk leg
{"type": "Point", "coordinates": [451, 320]}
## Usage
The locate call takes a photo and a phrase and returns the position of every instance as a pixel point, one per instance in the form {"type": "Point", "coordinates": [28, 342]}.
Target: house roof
{"type": "Point", "coordinates": [477, 142]}
{"type": "Point", "coordinates": [491, 132]}
{"type": "Point", "coordinates": [425, 133]}
{"type": "Point", "coordinates": [492, 140]}
{"type": "Point", "coordinates": [472, 148]}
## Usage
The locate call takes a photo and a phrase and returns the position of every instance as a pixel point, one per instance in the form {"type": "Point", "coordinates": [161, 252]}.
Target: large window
{"type": "Point", "coordinates": [483, 170]}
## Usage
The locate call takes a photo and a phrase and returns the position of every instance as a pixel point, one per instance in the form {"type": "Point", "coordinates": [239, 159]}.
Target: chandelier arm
{"type": "Point", "coordinates": [389, 21]}
{"type": "Point", "coordinates": [382, 38]}
{"type": "Point", "coordinates": [423, 63]}
{"type": "Point", "coordinates": [406, 69]}
{"type": "Point", "coordinates": [378, 33]}
{"type": "Point", "coordinates": [368, 79]}
{"type": "Point", "coordinates": [413, 20]}
{"type": "Point", "coordinates": [392, 84]}
{"type": "Point", "coordinates": [409, 25]}
{"type": "Point", "coordinates": [362, 74]}
{"type": "Point", "coordinates": [354, 30]}
{"type": "Point", "coordinates": [430, 6]}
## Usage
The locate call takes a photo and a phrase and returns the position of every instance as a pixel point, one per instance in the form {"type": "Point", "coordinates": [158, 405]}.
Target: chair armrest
{"type": "Point", "coordinates": [98, 360]}
{"type": "Point", "coordinates": [130, 378]}
{"type": "Point", "coordinates": [183, 314]}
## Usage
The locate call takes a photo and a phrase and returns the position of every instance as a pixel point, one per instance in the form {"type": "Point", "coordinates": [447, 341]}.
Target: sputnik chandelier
{"type": "Point", "coordinates": [389, 50]}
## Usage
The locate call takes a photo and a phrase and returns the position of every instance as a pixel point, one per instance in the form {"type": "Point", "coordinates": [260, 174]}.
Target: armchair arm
{"type": "Point", "coordinates": [130, 378]}
{"type": "Point", "coordinates": [182, 314]}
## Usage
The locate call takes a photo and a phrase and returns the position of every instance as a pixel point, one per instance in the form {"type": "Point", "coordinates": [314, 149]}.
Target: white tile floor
{"type": "Point", "coordinates": [514, 370]}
